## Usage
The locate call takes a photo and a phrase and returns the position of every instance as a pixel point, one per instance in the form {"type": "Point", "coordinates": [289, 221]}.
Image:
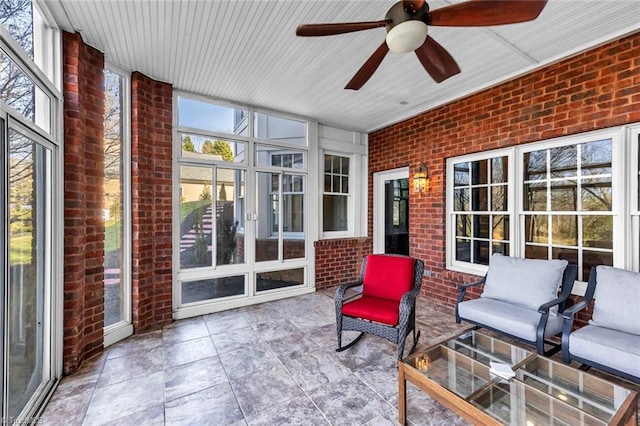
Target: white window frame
{"type": "Point", "coordinates": [350, 199]}
{"type": "Point", "coordinates": [124, 328]}
{"type": "Point", "coordinates": [633, 255]}
{"type": "Point", "coordinates": [622, 147]}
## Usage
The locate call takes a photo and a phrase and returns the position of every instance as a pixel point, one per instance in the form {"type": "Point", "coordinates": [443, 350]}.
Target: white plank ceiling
{"type": "Point", "coordinates": [247, 52]}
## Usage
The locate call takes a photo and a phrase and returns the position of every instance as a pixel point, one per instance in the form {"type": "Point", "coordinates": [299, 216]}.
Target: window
{"type": "Point", "coordinates": [480, 209]}
{"type": "Point", "coordinates": [280, 129]}
{"type": "Point", "coordinates": [116, 201]}
{"type": "Point", "coordinates": [335, 197]}
{"type": "Point", "coordinates": [565, 195]}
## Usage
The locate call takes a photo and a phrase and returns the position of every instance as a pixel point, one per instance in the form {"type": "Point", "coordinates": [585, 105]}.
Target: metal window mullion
{"type": "Point", "coordinates": [214, 217]}
{"type": "Point", "coordinates": [281, 217]}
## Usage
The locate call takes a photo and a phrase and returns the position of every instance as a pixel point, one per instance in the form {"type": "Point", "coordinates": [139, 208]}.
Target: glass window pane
{"type": "Point", "coordinates": [328, 161]}
{"type": "Point", "coordinates": [536, 229]}
{"type": "Point", "coordinates": [499, 170]}
{"type": "Point", "coordinates": [564, 229]}
{"type": "Point", "coordinates": [570, 255]}
{"type": "Point", "coordinates": [327, 183]}
{"type": "Point", "coordinates": [212, 288]}
{"type": "Point", "coordinates": [479, 172]}
{"type": "Point", "coordinates": [564, 195]}
{"type": "Point", "coordinates": [268, 222]}
{"type": "Point", "coordinates": [535, 165]}
{"type": "Point", "coordinates": [481, 226]}
{"type": "Point", "coordinates": [229, 245]}
{"type": "Point", "coordinates": [280, 129]}
{"type": "Point", "coordinates": [597, 231]}
{"type": "Point", "coordinates": [207, 148]}
{"type": "Point", "coordinates": [500, 227]}
{"type": "Point", "coordinates": [597, 194]}
{"type": "Point", "coordinates": [481, 252]}
{"type": "Point", "coordinates": [19, 92]}
{"type": "Point", "coordinates": [17, 18]}
{"type": "Point", "coordinates": [502, 248]}
{"type": "Point", "coordinates": [28, 188]}
{"type": "Point", "coordinates": [463, 225]}
{"type": "Point", "coordinates": [279, 279]}
{"type": "Point", "coordinates": [196, 217]}
{"type": "Point", "coordinates": [211, 117]}
{"type": "Point", "coordinates": [463, 250]}
{"type": "Point", "coordinates": [345, 185]}
{"type": "Point", "coordinates": [461, 200]}
{"type": "Point", "coordinates": [113, 201]}
{"type": "Point", "coordinates": [334, 213]}
{"type": "Point", "coordinates": [345, 165]}
{"type": "Point", "coordinates": [479, 201]}
{"type": "Point", "coordinates": [564, 161]}
{"type": "Point", "coordinates": [591, 258]}
{"type": "Point", "coordinates": [536, 252]}
{"type": "Point", "coordinates": [596, 157]}
{"type": "Point", "coordinates": [461, 174]}
{"type": "Point", "coordinates": [499, 198]}
{"type": "Point", "coordinates": [535, 196]}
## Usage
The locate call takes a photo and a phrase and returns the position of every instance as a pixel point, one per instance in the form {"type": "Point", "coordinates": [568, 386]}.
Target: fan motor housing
{"type": "Point", "coordinates": [398, 15]}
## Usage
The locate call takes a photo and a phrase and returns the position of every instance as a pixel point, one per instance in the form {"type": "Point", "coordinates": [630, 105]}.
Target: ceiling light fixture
{"type": "Point", "coordinates": [407, 36]}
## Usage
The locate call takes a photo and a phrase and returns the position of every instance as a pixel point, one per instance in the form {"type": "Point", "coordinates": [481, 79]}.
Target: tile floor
{"type": "Point", "coordinates": [268, 364]}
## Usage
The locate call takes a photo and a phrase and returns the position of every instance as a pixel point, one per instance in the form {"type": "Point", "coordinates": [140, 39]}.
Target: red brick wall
{"type": "Point", "coordinates": [83, 178]}
{"type": "Point", "coordinates": [151, 169]}
{"type": "Point", "coordinates": [338, 261]}
{"type": "Point", "coordinates": [593, 90]}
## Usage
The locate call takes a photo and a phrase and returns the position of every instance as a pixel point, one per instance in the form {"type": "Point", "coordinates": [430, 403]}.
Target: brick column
{"type": "Point", "coordinates": [83, 179]}
{"type": "Point", "coordinates": [151, 170]}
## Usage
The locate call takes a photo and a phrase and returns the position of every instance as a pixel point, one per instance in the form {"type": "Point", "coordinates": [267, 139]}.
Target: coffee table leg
{"type": "Point", "coordinates": [402, 395]}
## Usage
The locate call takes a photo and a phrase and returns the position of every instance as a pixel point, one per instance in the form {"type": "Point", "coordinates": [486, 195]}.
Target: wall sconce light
{"type": "Point", "coordinates": [421, 179]}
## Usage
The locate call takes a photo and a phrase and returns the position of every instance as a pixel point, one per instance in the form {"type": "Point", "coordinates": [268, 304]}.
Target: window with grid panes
{"type": "Point", "coordinates": [480, 209]}
{"type": "Point", "coordinates": [335, 195]}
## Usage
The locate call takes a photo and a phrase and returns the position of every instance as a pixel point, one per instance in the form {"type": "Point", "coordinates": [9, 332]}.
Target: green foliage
{"type": "Point", "coordinates": [206, 193]}
{"type": "Point", "coordinates": [218, 147]}
{"type": "Point", "coordinates": [187, 145]}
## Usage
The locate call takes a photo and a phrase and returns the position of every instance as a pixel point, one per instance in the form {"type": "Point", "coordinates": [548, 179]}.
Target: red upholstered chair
{"type": "Point", "coordinates": [386, 307]}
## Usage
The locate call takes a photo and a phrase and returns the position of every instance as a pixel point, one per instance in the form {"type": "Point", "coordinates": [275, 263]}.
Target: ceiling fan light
{"type": "Point", "coordinates": [407, 36]}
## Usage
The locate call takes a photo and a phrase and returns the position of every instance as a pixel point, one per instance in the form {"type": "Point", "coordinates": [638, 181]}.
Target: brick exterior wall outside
{"type": "Point", "coordinates": [594, 90]}
{"type": "Point", "coordinates": [152, 192]}
{"type": "Point", "coordinates": [338, 260]}
{"type": "Point", "coordinates": [83, 179]}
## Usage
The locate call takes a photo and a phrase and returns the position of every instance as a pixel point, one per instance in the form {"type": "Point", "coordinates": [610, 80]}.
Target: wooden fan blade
{"type": "Point", "coordinates": [314, 30]}
{"type": "Point", "coordinates": [480, 13]}
{"type": "Point", "coordinates": [366, 71]}
{"type": "Point", "coordinates": [436, 60]}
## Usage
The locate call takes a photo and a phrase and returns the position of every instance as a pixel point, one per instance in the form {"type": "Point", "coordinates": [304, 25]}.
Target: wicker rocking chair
{"type": "Point", "coordinates": [386, 306]}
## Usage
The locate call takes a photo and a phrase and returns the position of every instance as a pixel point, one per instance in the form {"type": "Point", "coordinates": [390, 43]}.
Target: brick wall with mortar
{"type": "Point", "coordinates": [593, 90]}
{"type": "Point", "coordinates": [152, 192]}
{"type": "Point", "coordinates": [83, 179]}
{"type": "Point", "coordinates": [338, 260]}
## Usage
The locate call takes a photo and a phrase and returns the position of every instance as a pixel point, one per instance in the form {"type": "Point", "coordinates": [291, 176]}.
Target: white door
{"type": "Point", "coordinates": [391, 211]}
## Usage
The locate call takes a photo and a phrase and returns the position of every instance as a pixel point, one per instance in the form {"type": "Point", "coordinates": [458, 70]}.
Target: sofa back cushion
{"type": "Point", "coordinates": [388, 277]}
{"type": "Point", "coordinates": [524, 282]}
{"type": "Point", "coordinates": [617, 304]}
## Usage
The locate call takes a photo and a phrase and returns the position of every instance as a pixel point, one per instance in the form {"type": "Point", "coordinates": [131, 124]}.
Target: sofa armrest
{"type": "Point", "coordinates": [571, 311]}
{"type": "Point", "coordinates": [568, 316]}
{"type": "Point", "coordinates": [463, 292]}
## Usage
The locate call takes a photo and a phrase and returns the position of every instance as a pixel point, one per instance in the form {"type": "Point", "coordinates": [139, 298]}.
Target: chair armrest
{"type": "Point", "coordinates": [407, 301]}
{"type": "Point", "coordinates": [341, 290]}
{"type": "Point", "coordinates": [544, 308]}
{"type": "Point", "coordinates": [463, 288]}
{"type": "Point", "coordinates": [571, 311]}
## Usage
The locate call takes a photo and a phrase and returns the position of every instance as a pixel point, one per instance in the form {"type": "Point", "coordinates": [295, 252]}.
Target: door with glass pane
{"type": "Point", "coordinates": [391, 212]}
{"type": "Point", "coordinates": [27, 287]}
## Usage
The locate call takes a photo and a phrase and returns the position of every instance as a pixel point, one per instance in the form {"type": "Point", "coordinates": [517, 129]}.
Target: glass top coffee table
{"type": "Point", "coordinates": [543, 392]}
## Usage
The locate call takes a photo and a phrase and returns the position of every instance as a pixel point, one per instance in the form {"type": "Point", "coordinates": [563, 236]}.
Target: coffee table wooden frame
{"type": "Point", "coordinates": [627, 414]}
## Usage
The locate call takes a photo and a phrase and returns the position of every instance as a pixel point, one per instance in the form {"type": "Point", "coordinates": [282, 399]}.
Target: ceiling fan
{"type": "Point", "coordinates": [406, 23]}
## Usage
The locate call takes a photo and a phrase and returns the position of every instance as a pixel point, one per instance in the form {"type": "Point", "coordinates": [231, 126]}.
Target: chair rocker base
{"type": "Point", "coordinates": [352, 343]}
{"type": "Point", "coordinates": [416, 337]}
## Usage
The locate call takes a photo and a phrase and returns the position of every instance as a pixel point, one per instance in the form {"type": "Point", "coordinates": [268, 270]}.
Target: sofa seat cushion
{"type": "Point", "coordinates": [525, 282]}
{"type": "Point", "coordinates": [611, 348]}
{"type": "Point", "coordinates": [617, 299]}
{"type": "Point", "coordinates": [388, 277]}
{"type": "Point", "coordinates": [373, 308]}
{"type": "Point", "coordinates": [508, 318]}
